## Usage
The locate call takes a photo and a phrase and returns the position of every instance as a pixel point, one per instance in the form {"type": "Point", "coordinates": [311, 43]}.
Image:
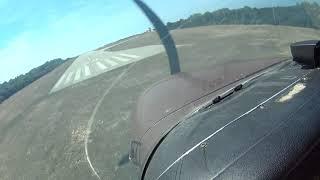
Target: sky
{"type": "Point", "coordinates": [34, 31]}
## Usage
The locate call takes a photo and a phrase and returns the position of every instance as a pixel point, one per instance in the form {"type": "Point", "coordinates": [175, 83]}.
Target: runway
{"type": "Point", "coordinates": [94, 63]}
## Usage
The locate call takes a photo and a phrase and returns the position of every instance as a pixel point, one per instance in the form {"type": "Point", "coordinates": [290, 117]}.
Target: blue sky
{"type": "Point", "coordinates": [35, 31]}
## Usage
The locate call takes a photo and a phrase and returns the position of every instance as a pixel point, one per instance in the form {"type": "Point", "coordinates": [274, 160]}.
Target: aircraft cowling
{"type": "Point", "coordinates": [166, 103]}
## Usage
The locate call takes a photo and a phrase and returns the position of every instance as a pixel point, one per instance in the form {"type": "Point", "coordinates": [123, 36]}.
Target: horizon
{"type": "Point", "coordinates": [29, 41]}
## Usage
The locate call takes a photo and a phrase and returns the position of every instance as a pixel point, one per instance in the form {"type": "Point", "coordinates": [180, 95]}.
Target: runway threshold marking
{"type": "Point", "coordinates": [100, 65]}
{"type": "Point", "coordinates": [68, 77]}
{"type": "Point", "coordinates": [78, 74]}
{"type": "Point", "coordinates": [95, 63]}
{"type": "Point", "coordinates": [60, 80]}
{"type": "Point", "coordinates": [130, 56]}
{"type": "Point", "coordinates": [120, 59]}
{"type": "Point", "coordinates": [87, 71]}
{"type": "Point", "coordinates": [112, 63]}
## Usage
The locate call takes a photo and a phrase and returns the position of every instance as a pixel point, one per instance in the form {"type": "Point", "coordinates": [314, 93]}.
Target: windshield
{"type": "Point", "coordinates": [72, 72]}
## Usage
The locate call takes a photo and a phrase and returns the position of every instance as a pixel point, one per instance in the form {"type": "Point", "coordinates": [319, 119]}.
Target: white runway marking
{"type": "Point", "coordinates": [78, 74]}
{"type": "Point", "coordinates": [60, 80]}
{"type": "Point", "coordinates": [112, 63]}
{"type": "Point", "coordinates": [121, 59]}
{"type": "Point", "coordinates": [95, 110]}
{"type": "Point", "coordinates": [87, 71]}
{"type": "Point", "coordinates": [101, 66]}
{"type": "Point", "coordinates": [68, 77]}
{"type": "Point", "coordinates": [130, 56]}
{"type": "Point", "coordinates": [94, 63]}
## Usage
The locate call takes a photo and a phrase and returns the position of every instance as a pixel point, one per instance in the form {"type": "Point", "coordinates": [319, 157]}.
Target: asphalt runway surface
{"type": "Point", "coordinates": [75, 126]}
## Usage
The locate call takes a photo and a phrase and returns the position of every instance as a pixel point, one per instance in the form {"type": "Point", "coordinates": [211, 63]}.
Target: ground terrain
{"type": "Point", "coordinates": [43, 134]}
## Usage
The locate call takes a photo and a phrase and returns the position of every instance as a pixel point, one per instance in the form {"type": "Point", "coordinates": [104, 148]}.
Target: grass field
{"type": "Point", "coordinates": [43, 136]}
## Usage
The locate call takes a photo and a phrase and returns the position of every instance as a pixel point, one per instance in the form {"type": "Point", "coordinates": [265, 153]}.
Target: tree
{"type": "Point", "coordinates": [9, 88]}
{"type": "Point", "coordinates": [302, 15]}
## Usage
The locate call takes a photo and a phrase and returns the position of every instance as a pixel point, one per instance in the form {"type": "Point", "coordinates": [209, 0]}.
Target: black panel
{"type": "Point", "coordinates": [266, 143]}
{"type": "Point", "coordinates": [306, 52]}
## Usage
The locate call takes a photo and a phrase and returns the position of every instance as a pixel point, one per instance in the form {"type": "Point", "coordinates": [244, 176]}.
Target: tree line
{"type": "Point", "coordinates": [12, 86]}
{"type": "Point", "coordinates": [302, 15]}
